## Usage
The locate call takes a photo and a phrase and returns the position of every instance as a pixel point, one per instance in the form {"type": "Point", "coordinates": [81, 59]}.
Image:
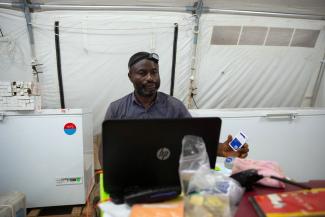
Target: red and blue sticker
{"type": "Point", "coordinates": [70, 128]}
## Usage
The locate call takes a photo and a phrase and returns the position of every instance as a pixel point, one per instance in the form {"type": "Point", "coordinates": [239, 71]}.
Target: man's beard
{"type": "Point", "coordinates": [141, 91]}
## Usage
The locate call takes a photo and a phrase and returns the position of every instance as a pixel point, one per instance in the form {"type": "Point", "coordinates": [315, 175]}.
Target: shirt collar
{"type": "Point", "coordinates": [156, 100]}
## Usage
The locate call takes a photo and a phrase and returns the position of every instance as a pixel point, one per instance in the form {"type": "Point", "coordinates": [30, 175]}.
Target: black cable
{"type": "Point", "coordinates": [248, 178]}
{"type": "Point", "coordinates": [290, 182]}
{"type": "Point", "coordinates": [58, 62]}
{"type": "Point", "coordinates": [1, 32]}
{"type": "Point", "coordinates": [174, 59]}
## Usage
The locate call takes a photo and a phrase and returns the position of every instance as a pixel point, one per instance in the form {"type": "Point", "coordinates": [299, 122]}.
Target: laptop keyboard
{"type": "Point", "coordinates": [153, 194]}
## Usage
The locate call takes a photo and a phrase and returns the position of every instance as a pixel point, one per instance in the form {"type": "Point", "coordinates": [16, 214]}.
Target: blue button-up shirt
{"type": "Point", "coordinates": [164, 106]}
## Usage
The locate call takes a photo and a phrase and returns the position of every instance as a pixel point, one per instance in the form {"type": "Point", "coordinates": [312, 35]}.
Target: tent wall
{"type": "Point", "coordinates": [15, 57]}
{"type": "Point", "coordinates": [261, 75]}
{"type": "Point", "coordinates": [96, 46]}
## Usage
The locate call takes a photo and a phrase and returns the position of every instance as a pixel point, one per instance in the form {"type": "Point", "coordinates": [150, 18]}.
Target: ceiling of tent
{"type": "Point", "coordinates": [309, 7]}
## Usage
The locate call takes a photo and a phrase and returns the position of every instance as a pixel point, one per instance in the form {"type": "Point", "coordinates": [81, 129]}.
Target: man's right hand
{"type": "Point", "coordinates": [224, 150]}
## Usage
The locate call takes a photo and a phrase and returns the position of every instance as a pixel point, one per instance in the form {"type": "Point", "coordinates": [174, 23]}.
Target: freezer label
{"type": "Point", "coordinates": [68, 180]}
{"type": "Point", "coordinates": [70, 128]}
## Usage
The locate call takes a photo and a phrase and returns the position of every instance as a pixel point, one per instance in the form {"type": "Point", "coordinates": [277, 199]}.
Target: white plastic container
{"type": "Point", "coordinates": [12, 204]}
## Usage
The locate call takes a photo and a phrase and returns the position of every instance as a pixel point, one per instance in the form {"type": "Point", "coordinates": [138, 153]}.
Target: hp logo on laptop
{"type": "Point", "coordinates": [163, 153]}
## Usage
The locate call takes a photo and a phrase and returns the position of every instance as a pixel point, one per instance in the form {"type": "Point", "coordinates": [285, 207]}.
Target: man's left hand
{"type": "Point", "coordinates": [224, 150]}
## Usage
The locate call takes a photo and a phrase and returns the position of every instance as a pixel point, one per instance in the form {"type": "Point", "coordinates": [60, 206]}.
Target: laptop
{"type": "Point", "coordinates": [143, 154]}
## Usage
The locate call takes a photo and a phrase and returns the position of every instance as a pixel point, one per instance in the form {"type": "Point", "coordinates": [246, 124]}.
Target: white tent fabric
{"type": "Point", "coordinates": [251, 76]}
{"type": "Point", "coordinates": [15, 58]}
{"type": "Point", "coordinates": [96, 46]}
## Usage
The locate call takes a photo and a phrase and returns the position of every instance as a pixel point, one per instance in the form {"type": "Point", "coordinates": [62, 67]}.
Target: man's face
{"type": "Point", "coordinates": [145, 77]}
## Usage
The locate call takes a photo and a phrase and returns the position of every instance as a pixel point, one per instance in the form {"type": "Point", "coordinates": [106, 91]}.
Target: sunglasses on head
{"type": "Point", "coordinates": [150, 56]}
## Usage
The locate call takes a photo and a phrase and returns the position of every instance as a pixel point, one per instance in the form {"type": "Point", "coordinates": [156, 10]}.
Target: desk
{"type": "Point", "coordinates": [246, 208]}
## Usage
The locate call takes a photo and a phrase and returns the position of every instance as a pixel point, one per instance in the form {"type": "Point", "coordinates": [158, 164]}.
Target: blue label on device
{"type": "Point", "coordinates": [235, 144]}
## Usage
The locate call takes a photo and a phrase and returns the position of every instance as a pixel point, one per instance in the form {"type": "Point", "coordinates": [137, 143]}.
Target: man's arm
{"type": "Point", "coordinates": [109, 115]}
{"type": "Point", "coordinates": [224, 150]}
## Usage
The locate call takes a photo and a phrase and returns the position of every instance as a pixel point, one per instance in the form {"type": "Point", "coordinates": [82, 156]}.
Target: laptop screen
{"type": "Point", "coordinates": [145, 153]}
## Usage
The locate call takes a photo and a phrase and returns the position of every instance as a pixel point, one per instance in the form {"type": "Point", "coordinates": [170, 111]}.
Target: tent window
{"type": "Point", "coordinates": [225, 35]}
{"type": "Point", "coordinates": [257, 35]}
{"type": "Point", "coordinates": [279, 37]}
{"type": "Point", "coordinates": [253, 35]}
{"type": "Point", "coordinates": [304, 38]}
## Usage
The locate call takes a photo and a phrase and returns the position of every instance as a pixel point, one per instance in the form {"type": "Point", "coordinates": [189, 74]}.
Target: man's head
{"type": "Point", "coordinates": [144, 73]}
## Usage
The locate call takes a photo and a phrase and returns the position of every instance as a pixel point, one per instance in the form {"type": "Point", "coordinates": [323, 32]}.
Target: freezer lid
{"type": "Point", "coordinates": [257, 112]}
{"type": "Point", "coordinates": [45, 112]}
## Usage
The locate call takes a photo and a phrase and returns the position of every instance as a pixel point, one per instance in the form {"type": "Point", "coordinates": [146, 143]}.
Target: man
{"type": "Point", "coordinates": [147, 102]}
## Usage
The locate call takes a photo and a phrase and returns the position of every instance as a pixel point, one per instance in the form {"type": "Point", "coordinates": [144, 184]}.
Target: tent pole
{"type": "Point", "coordinates": [174, 59]}
{"type": "Point", "coordinates": [267, 14]}
{"type": "Point", "coordinates": [192, 89]}
{"type": "Point", "coordinates": [34, 63]}
{"type": "Point", "coordinates": [27, 12]}
{"type": "Point", "coordinates": [29, 28]}
{"type": "Point", "coordinates": [109, 7]}
{"type": "Point", "coordinates": [58, 62]}
{"type": "Point", "coordinates": [6, 5]}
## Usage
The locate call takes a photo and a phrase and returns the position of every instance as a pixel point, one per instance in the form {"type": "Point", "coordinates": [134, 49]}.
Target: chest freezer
{"type": "Point", "coordinates": [293, 137]}
{"type": "Point", "coordinates": [47, 155]}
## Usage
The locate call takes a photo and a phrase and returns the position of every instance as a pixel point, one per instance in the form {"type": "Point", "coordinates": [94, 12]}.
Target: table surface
{"type": "Point", "coordinates": [246, 208]}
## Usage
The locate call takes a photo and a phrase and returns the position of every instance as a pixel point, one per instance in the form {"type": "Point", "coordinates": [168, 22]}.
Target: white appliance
{"type": "Point", "coordinates": [295, 138]}
{"type": "Point", "coordinates": [47, 155]}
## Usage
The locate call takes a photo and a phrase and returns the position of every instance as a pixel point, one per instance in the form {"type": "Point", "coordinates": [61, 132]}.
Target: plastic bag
{"type": "Point", "coordinates": [207, 205]}
{"type": "Point", "coordinates": [193, 158]}
{"type": "Point", "coordinates": [207, 192]}
{"type": "Point", "coordinates": [211, 193]}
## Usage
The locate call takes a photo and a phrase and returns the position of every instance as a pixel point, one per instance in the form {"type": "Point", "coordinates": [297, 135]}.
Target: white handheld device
{"type": "Point", "coordinates": [238, 141]}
